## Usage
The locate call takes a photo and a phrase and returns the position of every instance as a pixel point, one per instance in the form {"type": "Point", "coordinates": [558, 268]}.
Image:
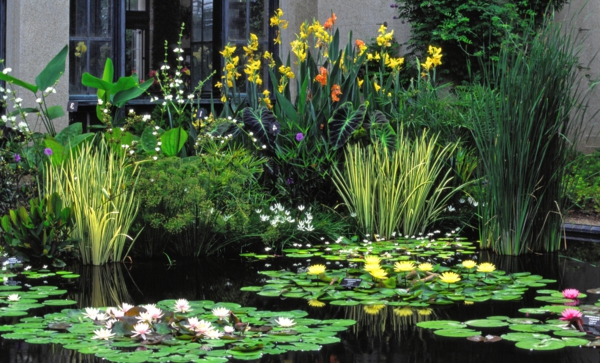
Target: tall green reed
{"type": "Point", "coordinates": [96, 182]}
{"type": "Point", "coordinates": [405, 189]}
{"type": "Point", "coordinates": [531, 121]}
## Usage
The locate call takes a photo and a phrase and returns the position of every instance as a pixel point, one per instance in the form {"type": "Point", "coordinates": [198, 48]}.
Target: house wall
{"type": "Point", "coordinates": [34, 35]}
{"type": "Point", "coordinates": [584, 16]}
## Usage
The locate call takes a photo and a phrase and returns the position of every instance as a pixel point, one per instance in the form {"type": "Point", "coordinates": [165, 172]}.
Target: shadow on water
{"type": "Point", "coordinates": [382, 334]}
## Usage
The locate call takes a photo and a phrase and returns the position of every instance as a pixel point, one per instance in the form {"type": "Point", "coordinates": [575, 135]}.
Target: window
{"type": "Point", "coordinates": [133, 33]}
{"type": "Point", "coordinates": [92, 32]}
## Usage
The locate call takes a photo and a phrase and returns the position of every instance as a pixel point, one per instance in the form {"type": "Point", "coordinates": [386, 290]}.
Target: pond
{"type": "Point", "coordinates": [380, 335]}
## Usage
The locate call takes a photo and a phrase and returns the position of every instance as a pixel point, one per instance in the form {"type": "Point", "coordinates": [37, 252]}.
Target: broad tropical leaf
{"type": "Point", "coordinates": [343, 123]}
{"type": "Point", "coordinates": [262, 124]}
{"type": "Point", "coordinates": [53, 70]}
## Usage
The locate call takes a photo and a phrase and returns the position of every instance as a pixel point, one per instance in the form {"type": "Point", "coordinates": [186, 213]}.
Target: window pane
{"type": "Point", "coordinates": [236, 22]}
{"type": "Point", "coordinates": [79, 18]}
{"type": "Point", "coordinates": [100, 18]}
{"type": "Point", "coordinates": [135, 53]}
{"type": "Point", "coordinates": [259, 19]}
{"type": "Point", "coordinates": [202, 20]}
{"type": "Point", "coordinates": [99, 52]}
{"type": "Point", "coordinates": [202, 65]}
{"type": "Point", "coordinates": [78, 56]}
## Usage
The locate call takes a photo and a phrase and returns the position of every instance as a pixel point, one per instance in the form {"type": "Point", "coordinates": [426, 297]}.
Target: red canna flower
{"type": "Point", "coordinates": [322, 76]}
{"type": "Point", "coordinates": [335, 92]}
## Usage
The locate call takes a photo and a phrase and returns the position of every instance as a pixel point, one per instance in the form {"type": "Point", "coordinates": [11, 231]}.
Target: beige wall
{"type": "Point", "coordinates": [36, 31]}
{"type": "Point", "coordinates": [584, 16]}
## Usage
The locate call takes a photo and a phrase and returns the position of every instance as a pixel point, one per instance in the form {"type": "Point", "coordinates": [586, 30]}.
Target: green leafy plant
{"type": "Point", "coordinates": [404, 189]}
{"type": "Point", "coordinates": [583, 183]}
{"type": "Point", "coordinates": [100, 187]}
{"type": "Point", "coordinates": [44, 83]}
{"type": "Point", "coordinates": [532, 117]}
{"type": "Point", "coordinates": [113, 94]}
{"type": "Point", "coordinates": [42, 233]}
{"type": "Point", "coordinates": [468, 29]}
{"type": "Point", "coordinates": [199, 205]}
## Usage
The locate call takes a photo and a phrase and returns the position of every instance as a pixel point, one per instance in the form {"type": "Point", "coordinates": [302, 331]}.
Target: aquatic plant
{"type": "Point", "coordinates": [100, 188]}
{"type": "Point", "coordinates": [525, 139]}
{"type": "Point", "coordinates": [402, 189]}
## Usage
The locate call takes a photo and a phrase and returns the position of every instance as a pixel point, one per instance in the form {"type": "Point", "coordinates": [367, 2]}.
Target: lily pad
{"type": "Point", "coordinates": [545, 344]}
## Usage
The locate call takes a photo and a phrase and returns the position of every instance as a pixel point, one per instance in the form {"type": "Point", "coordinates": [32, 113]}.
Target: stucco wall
{"type": "Point", "coordinates": [36, 32]}
{"type": "Point", "coordinates": [583, 15]}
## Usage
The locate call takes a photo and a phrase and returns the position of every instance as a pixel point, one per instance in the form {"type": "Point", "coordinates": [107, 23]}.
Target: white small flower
{"type": "Point", "coordinates": [7, 70]}
{"type": "Point", "coordinates": [228, 329]}
{"type": "Point", "coordinates": [13, 297]}
{"type": "Point", "coordinates": [99, 101]}
{"type": "Point", "coordinates": [190, 96]}
{"type": "Point", "coordinates": [38, 100]}
{"type": "Point", "coordinates": [155, 158]}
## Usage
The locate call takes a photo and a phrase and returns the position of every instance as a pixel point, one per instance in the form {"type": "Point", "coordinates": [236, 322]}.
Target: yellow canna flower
{"type": "Point", "coordinates": [266, 93]}
{"type": "Point", "coordinates": [360, 82]}
{"type": "Point", "coordinates": [218, 85]}
{"type": "Point", "coordinates": [376, 86]}
{"type": "Point", "coordinates": [228, 51]}
{"type": "Point", "coordinates": [223, 99]}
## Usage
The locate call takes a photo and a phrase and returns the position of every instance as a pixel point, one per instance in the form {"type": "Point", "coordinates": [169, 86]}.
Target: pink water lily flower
{"type": "Point", "coordinates": [570, 314]}
{"type": "Point", "coordinates": [182, 306]}
{"type": "Point", "coordinates": [570, 293]}
{"type": "Point", "coordinates": [141, 329]}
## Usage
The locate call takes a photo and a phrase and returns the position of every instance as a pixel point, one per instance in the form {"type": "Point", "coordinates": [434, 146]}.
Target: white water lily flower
{"type": "Point", "coordinates": [91, 313]}
{"type": "Point", "coordinates": [182, 306]}
{"type": "Point", "coordinates": [285, 322]}
{"type": "Point", "coordinates": [141, 329]}
{"type": "Point", "coordinates": [220, 312]}
{"type": "Point", "coordinates": [103, 334]}
{"type": "Point", "coordinates": [126, 306]}
{"type": "Point", "coordinates": [13, 297]}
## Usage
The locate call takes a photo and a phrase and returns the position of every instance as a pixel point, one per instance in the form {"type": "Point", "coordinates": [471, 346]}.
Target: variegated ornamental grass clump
{"type": "Point", "coordinates": [99, 185]}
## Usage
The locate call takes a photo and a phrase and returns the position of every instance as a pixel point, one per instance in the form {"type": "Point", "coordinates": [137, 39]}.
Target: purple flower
{"type": "Point", "coordinates": [48, 151]}
{"type": "Point", "coordinates": [299, 136]}
{"type": "Point", "coordinates": [290, 181]}
{"type": "Point", "coordinates": [17, 158]}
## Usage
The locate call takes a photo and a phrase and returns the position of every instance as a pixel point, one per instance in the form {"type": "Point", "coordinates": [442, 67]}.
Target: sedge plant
{"type": "Point", "coordinates": [531, 121]}
{"type": "Point", "coordinates": [99, 185]}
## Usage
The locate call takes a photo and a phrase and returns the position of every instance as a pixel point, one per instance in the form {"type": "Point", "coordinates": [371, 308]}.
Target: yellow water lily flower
{"type": "Point", "coordinates": [450, 277]}
{"type": "Point", "coordinates": [469, 264]}
{"type": "Point", "coordinates": [316, 303]}
{"type": "Point", "coordinates": [316, 269]}
{"type": "Point", "coordinates": [404, 266]}
{"type": "Point", "coordinates": [425, 267]}
{"type": "Point", "coordinates": [486, 267]}
{"type": "Point", "coordinates": [373, 309]}
{"type": "Point", "coordinates": [379, 273]}
{"type": "Point", "coordinates": [424, 312]}
{"type": "Point", "coordinates": [402, 312]}
{"type": "Point", "coordinates": [372, 259]}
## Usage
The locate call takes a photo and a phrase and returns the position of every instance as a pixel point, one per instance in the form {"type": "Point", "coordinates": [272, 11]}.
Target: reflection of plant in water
{"type": "Point", "coordinates": [101, 286]}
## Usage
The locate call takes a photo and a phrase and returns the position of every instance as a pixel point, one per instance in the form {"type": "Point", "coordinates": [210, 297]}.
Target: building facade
{"type": "Point", "coordinates": [133, 32]}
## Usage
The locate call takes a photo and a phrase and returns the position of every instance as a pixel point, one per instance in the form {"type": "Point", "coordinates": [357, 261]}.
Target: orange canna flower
{"type": "Point", "coordinates": [359, 43]}
{"type": "Point", "coordinates": [335, 92]}
{"type": "Point", "coordinates": [329, 23]}
{"type": "Point", "coordinates": [322, 76]}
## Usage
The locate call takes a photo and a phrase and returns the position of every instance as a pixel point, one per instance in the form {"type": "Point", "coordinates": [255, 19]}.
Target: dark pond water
{"type": "Point", "coordinates": [384, 337]}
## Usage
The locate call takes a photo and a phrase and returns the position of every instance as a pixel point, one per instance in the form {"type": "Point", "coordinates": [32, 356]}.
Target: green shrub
{"type": "Point", "coordinates": [41, 233]}
{"type": "Point", "coordinates": [198, 205]}
{"type": "Point", "coordinates": [583, 182]}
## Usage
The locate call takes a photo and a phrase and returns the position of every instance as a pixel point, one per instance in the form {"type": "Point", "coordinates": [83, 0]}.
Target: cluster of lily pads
{"type": "Point", "coordinates": [539, 329]}
{"type": "Point", "coordinates": [17, 298]}
{"type": "Point", "coordinates": [415, 272]}
{"type": "Point", "coordinates": [171, 330]}
{"type": "Point", "coordinates": [178, 331]}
